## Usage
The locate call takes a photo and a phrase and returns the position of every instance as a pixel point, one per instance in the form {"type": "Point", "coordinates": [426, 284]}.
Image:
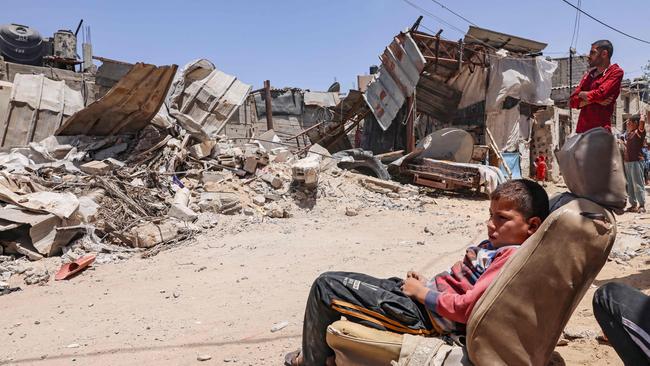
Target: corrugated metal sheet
{"type": "Point", "coordinates": [436, 98]}
{"type": "Point", "coordinates": [36, 109]}
{"type": "Point", "coordinates": [502, 40]}
{"type": "Point", "coordinates": [128, 107]}
{"type": "Point", "coordinates": [321, 99]}
{"type": "Point", "coordinates": [399, 73]}
{"type": "Point", "coordinates": [211, 101]}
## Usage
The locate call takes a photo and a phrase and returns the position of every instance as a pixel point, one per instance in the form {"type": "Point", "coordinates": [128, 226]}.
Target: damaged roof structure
{"type": "Point", "coordinates": [127, 157]}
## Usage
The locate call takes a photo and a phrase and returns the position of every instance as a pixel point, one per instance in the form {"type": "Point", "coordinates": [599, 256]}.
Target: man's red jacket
{"type": "Point", "coordinates": [599, 87]}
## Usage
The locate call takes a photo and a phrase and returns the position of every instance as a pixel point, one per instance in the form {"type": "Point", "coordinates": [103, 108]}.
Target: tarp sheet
{"type": "Point", "coordinates": [526, 79]}
{"type": "Point", "coordinates": [513, 160]}
{"type": "Point", "coordinates": [472, 84]}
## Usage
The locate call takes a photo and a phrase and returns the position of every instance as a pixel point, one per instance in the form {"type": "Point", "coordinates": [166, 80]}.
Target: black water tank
{"type": "Point", "coordinates": [21, 44]}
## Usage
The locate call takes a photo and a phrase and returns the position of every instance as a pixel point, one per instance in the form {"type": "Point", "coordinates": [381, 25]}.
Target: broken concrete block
{"type": "Point", "coordinates": [273, 210]}
{"type": "Point", "coordinates": [226, 203]}
{"type": "Point", "coordinates": [259, 200]}
{"type": "Point", "coordinates": [111, 152]}
{"type": "Point", "coordinates": [305, 171]}
{"type": "Point", "coordinates": [269, 140]}
{"type": "Point", "coordinates": [213, 187]}
{"type": "Point", "coordinates": [214, 177]}
{"type": "Point", "coordinates": [380, 186]}
{"type": "Point", "coordinates": [149, 234]}
{"type": "Point", "coordinates": [273, 180]}
{"type": "Point", "coordinates": [96, 168]}
{"type": "Point", "coordinates": [88, 209]}
{"type": "Point", "coordinates": [182, 197]}
{"type": "Point", "coordinates": [250, 164]}
{"type": "Point", "coordinates": [114, 163]}
{"type": "Point", "coordinates": [182, 212]}
{"type": "Point", "coordinates": [280, 155]}
{"type": "Point", "coordinates": [202, 150]}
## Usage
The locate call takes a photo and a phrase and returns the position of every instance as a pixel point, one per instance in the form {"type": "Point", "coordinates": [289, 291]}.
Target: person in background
{"type": "Point", "coordinates": [596, 94]}
{"type": "Point", "coordinates": [634, 163]}
{"type": "Point", "coordinates": [540, 169]}
{"type": "Point", "coordinates": [646, 161]}
{"type": "Point", "coordinates": [622, 313]}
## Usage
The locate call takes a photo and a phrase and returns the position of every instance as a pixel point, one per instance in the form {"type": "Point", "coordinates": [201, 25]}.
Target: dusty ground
{"type": "Point", "coordinates": [221, 294]}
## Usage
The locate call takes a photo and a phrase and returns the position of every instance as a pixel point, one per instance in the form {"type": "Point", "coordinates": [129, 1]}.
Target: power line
{"type": "Point", "coordinates": [453, 12]}
{"type": "Point", "coordinates": [576, 27]}
{"type": "Point", "coordinates": [424, 11]}
{"type": "Point", "coordinates": [605, 24]}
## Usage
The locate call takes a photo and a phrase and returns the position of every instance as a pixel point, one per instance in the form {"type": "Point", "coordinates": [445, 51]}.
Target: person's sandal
{"type": "Point", "coordinates": [632, 209]}
{"type": "Point", "coordinates": [641, 210]}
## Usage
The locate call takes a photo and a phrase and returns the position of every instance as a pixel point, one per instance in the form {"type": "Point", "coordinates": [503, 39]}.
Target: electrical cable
{"type": "Point", "coordinates": [453, 12]}
{"type": "Point", "coordinates": [605, 24]}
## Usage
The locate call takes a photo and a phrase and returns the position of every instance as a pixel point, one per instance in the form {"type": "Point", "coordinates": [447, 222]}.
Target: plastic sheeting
{"type": "Point", "coordinates": [529, 80]}
{"type": "Point", "coordinates": [513, 161]}
{"type": "Point", "coordinates": [471, 84]}
{"type": "Point", "coordinates": [504, 126]}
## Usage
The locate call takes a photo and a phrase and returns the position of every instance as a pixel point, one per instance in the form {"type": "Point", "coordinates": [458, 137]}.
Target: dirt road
{"type": "Point", "coordinates": [221, 294]}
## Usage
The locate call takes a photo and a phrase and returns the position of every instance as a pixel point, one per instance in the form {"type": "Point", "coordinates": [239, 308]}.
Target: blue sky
{"type": "Point", "coordinates": [309, 44]}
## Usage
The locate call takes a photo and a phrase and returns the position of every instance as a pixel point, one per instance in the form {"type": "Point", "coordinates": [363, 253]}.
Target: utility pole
{"type": "Point", "coordinates": [572, 51]}
{"type": "Point", "coordinates": [269, 107]}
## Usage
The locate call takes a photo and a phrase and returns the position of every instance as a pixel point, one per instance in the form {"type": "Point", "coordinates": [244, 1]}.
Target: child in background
{"type": "Point", "coordinates": [540, 169]}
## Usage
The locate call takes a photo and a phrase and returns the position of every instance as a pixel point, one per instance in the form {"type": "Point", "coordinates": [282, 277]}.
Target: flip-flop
{"type": "Point", "coordinates": [70, 269]}
{"type": "Point", "coordinates": [290, 357]}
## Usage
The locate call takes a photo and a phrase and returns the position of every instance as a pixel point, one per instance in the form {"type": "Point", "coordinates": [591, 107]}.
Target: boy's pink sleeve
{"type": "Point", "coordinates": [459, 307]}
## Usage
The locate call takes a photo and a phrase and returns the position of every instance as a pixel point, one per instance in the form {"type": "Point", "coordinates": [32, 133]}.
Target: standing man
{"type": "Point", "coordinates": [634, 138]}
{"type": "Point", "coordinates": [596, 94]}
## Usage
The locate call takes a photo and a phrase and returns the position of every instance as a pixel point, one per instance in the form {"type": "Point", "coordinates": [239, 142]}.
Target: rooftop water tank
{"type": "Point", "coordinates": [21, 44]}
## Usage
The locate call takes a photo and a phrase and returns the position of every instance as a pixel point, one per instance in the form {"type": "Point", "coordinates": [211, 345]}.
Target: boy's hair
{"type": "Point", "coordinates": [635, 118]}
{"type": "Point", "coordinates": [529, 197]}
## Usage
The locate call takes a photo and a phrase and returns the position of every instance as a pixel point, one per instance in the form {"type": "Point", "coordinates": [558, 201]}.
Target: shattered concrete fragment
{"type": "Point", "coordinates": [250, 164]}
{"type": "Point", "coordinates": [114, 163]}
{"type": "Point", "coordinates": [305, 171]}
{"type": "Point", "coordinates": [214, 177]}
{"type": "Point", "coordinates": [95, 168]}
{"type": "Point", "coordinates": [273, 180]}
{"type": "Point", "coordinates": [149, 234]}
{"type": "Point", "coordinates": [221, 202]}
{"type": "Point", "coordinates": [351, 211]}
{"type": "Point", "coordinates": [111, 152]}
{"type": "Point", "coordinates": [280, 155]}
{"type": "Point", "coordinates": [182, 212]}
{"type": "Point", "coordinates": [202, 150]}
{"type": "Point", "coordinates": [259, 200]}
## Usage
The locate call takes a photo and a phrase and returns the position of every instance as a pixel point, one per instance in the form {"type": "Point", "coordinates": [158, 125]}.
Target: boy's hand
{"type": "Point", "coordinates": [415, 289]}
{"type": "Point", "coordinates": [417, 276]}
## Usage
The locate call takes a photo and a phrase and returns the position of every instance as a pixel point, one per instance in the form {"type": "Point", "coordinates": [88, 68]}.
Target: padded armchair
{"type": "Point", "coordinates": [520, 318]}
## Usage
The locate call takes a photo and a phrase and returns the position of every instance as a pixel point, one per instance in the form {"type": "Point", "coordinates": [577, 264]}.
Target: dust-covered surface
{"type": "Point", "coordinates": [221, 294]}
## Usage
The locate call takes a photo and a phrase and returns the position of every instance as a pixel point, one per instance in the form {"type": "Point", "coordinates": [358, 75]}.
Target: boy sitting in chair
{"type": "Point", "coordinates": [415, 305]}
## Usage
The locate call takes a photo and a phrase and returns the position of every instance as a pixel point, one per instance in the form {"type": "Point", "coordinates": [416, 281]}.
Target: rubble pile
{"type": "Point", "coordinates": [67, 196]}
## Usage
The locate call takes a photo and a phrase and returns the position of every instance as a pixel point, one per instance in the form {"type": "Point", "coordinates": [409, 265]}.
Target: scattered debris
{"type": "Point", "coordinates": [68, 270]}
{"type": "Point", "coordinates": [279, 326]}
{"type": "Point", "coordinates": [203, 357]}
